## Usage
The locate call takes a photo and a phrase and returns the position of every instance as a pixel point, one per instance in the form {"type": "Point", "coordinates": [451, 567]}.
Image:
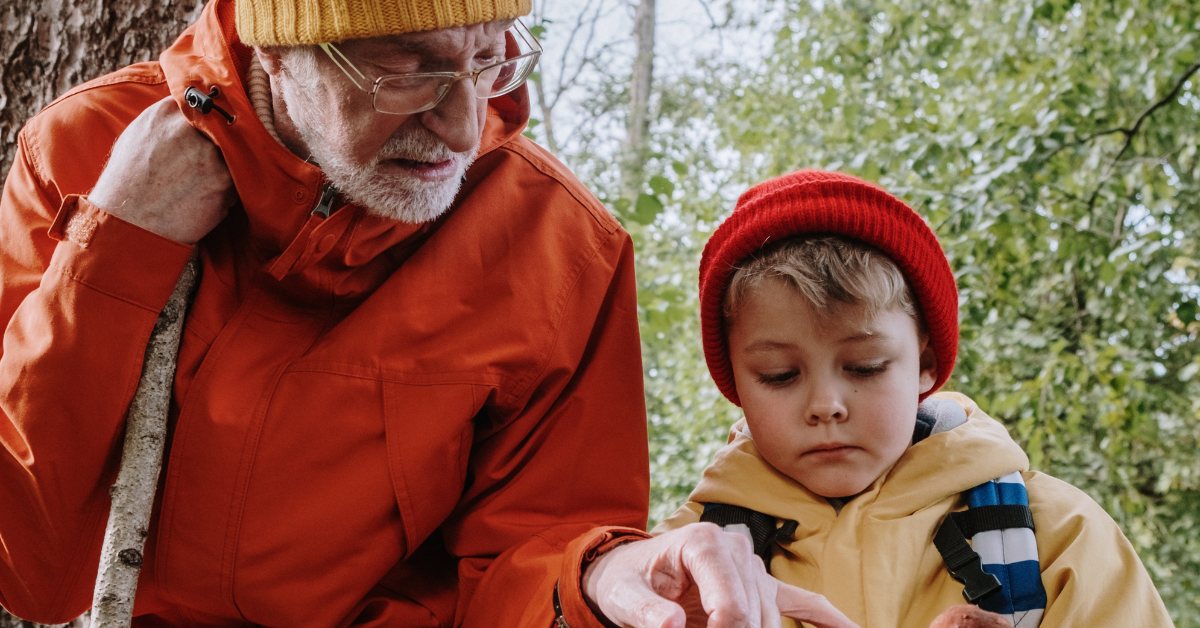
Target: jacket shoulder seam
{"type": "Point", "coordinates": [29, 150]}
{"type": "Point", "coordinates": [603, 219]}
{"type": "Point", "coordinates": [521, 387]}
{"type": "Point", "coordinates": [115, 78]}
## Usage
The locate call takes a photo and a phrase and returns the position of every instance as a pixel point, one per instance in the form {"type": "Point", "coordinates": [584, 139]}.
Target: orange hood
{"type": "Point", "coordinates": [209, 55]}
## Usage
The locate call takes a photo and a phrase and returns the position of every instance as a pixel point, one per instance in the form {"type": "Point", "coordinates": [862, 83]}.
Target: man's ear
{"type": "Point", "coordinates": [270, 60]}
{"type": "Point", "coordinates": [929, 368]}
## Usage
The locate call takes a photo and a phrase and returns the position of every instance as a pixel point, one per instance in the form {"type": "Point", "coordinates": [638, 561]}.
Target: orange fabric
{"type": "Point", "coordinates": [407, 426]}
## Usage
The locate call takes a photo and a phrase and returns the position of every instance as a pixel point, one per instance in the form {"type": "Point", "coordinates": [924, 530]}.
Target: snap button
{"type": "Point", "coordinates": [300, 196]}
{"type": "Point", "coordinates": [327, 243]}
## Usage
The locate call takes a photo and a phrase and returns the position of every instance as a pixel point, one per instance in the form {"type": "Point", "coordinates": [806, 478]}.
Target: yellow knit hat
{"type": "Point", "coordinates": [298, 22]}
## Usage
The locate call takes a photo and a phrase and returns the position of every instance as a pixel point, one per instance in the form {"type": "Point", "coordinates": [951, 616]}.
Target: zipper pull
{"type": "Point", "coordinates": [327, 194]}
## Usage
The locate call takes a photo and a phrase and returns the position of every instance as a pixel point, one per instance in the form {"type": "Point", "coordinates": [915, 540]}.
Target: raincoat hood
{"type": "Point", "coordinates": [209, 56]}
{"type": "Point", "coordinates": [977, 451]}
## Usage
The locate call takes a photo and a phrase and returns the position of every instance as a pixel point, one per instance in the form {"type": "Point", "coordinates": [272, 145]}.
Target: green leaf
{"type": "Point", "coordinates": [647, 208]}
{"type": "Point", "coordinates": [662, 185]}
{"type": "Point", "coordinates": [829, 98]}
{"type": "Point", "coordinates": [1108, 272]}
{"type": "Point", "coordinates": [1186, 312]}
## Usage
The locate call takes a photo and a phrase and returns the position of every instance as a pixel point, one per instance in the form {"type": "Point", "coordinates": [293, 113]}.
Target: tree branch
{"type": "Point", "coordinates": [1129, 132]}
{"type": "Point", "coordinates": [1132, 131]}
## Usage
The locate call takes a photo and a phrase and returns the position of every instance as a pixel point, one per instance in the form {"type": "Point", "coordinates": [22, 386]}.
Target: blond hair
{"type": "Point", "coordinates": [831, 272]}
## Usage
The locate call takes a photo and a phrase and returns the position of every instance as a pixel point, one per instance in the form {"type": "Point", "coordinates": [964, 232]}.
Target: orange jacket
{"type": "Point", "coordinates": [373, 423]}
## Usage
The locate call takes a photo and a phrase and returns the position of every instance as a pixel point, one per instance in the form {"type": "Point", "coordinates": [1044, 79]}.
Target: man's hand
{"type": "Point", "coordinates": [165, 177]}
{"type": "Point", "coordinates": [698, 576]}
{"type": "Point", "coordinates": [967, 616]}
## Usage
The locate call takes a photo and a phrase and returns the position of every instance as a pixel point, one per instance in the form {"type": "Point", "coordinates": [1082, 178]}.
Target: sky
{"type": "Point", "coordinates": [601, 30]}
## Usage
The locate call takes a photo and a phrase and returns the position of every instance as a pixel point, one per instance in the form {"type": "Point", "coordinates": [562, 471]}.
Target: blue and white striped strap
{"type": "Point", "coordinates": [1010, 555]}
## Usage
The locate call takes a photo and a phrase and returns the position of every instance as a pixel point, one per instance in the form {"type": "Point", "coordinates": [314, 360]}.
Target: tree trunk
{"type": "Point", "coordinates": [637, 125]}
{"type": "Point", "coordinates": [49, 46]}
{"type": "Point", "coordinates": [547, 116]}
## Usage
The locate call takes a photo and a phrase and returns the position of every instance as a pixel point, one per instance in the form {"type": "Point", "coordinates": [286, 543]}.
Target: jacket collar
{"type": "Point", "coordinates": [942, 465]}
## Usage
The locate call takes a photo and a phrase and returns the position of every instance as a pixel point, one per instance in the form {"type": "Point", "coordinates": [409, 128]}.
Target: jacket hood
{"type": "Point", "coordinates": [978, 450]}
{"type": "Point", "coordinates": [278, 190]}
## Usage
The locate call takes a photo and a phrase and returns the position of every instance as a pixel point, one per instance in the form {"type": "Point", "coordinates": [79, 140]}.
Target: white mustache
{"type": "Point", "coordinates": [417, 145]}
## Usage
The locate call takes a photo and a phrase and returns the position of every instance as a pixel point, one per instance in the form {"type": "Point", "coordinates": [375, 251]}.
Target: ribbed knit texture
{"type": "Point", "coordinates": [298, 22]}
{"type": "Point", "coordinates": [813, 201]}
{"type": "Point", "coordinates": [258, 87]}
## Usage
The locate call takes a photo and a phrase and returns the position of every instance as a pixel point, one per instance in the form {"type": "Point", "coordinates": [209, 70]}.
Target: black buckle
{"type": "Point", "coordinates": [977, 583]}
{"type": "Point", "coordinates": [963, 563]}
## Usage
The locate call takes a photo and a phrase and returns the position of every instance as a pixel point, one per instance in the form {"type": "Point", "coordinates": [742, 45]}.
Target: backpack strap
{"type": "Point", "coordinates": [763, 533]}
{"type": "Point", "coordinates": [999, 569]}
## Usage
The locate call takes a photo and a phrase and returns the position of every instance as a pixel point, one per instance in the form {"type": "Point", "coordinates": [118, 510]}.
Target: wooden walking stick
{"type": "Point", "coordinates": [141, 461]}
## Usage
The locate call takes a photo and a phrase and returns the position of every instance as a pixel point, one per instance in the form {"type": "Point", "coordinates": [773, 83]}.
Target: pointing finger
{"type": "Point", "coordinates": [717, 576]}
{"type": "Point", "coordinates": [749, 566]}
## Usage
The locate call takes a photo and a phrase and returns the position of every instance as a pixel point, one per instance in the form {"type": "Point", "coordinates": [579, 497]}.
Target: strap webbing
{"type": "Point", "coordinates": [986, 518]}
{"type": "Point", "coordinates": [763, 532]}
{"type": "Point", "coordinates": [964, 563]}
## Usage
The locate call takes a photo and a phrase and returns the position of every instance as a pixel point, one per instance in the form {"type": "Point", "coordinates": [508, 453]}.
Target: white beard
{"type": "Point", "coordinates": [397, 196]}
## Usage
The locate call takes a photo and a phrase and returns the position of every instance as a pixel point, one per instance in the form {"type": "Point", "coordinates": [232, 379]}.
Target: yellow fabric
{"type": "Point", "coordinates": [876, 560]}
{"type": "Point", "coordinates": [298, 22]}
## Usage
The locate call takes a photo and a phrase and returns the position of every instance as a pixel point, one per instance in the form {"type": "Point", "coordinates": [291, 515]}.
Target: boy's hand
{"type": "Point", "coordinates": [698, 576]}
{"type": "Point", "coordinates": [967, 616]}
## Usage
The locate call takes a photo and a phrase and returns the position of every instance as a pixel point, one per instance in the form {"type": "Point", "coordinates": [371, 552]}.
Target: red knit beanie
{"type": "Point", "coordinates": [817, 202]}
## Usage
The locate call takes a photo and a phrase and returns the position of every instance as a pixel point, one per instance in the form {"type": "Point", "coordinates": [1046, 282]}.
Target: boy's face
{"type": "Point", "coordinates": [831, 400]}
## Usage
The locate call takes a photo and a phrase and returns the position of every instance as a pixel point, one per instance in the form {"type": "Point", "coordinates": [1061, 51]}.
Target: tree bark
{"type": "Point", "coordinates": [49, 46]}
{"type": "Point", "coordinates": [637, 125]}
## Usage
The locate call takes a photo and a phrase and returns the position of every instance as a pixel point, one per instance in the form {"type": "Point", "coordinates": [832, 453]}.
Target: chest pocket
{"type": "Point", "coordinates": [429, 432]}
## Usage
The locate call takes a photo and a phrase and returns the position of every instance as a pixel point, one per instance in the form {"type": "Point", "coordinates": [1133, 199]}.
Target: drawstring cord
{"type": "Point", "coordinates": [197, 99]}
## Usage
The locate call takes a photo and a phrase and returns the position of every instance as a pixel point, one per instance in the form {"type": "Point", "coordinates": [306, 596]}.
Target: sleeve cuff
{"type": "Point", "coordinates": [115, 257]}
{"type": "Point", "coordinates": [580, 553]}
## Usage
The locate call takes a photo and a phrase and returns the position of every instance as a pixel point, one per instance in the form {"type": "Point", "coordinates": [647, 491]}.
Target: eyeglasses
{"type": "Point", "coordinates": [415, 92]}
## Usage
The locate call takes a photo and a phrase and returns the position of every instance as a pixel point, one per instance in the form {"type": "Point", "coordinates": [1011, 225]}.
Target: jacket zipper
{"type": "Point", "coordinates": [327, 194]}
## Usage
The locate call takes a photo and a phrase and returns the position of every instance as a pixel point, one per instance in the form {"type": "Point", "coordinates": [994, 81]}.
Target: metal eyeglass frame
{"type": "Point", "coordinates": [519, 31]}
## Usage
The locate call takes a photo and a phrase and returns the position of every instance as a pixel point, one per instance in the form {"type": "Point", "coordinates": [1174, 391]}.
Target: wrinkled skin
{"type": "Point", "coordinates": [967, 616]}
{"type": "Point", "coordinates": [165, 177]}
{"type": "Point", "coordinates": [698, 576]}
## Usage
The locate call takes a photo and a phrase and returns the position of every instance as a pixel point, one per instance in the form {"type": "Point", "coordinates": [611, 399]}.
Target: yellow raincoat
{"type": "Point", "coordinates": [875, 560]}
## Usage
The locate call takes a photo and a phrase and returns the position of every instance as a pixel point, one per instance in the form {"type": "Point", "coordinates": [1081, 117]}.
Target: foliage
{"type": "Point", "coordinates": [1054, 148]}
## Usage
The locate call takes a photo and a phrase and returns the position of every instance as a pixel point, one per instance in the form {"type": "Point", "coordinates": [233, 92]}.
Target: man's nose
{"type": "Point", "coordinates": [456, 119]}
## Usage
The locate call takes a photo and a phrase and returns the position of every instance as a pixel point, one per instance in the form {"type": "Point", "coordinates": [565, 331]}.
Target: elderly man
{"type": "Point", "coordinates": [409, 389]}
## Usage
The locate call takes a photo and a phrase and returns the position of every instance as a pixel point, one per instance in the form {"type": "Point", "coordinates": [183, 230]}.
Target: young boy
{"type": "Point", "coordinates": [830, 314]}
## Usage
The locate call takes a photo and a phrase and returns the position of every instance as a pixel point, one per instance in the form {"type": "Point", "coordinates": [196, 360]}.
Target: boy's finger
{"type": "Point", "coordinates": [809, 607]}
